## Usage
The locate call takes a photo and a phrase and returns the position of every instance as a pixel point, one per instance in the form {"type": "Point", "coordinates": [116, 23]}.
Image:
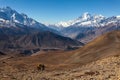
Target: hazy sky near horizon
{"type": "Point", "coordinates": [53, 11]}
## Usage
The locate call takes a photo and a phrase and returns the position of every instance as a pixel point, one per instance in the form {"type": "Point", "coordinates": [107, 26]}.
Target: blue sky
{"type": "Point", "coordinates": [53, 11]}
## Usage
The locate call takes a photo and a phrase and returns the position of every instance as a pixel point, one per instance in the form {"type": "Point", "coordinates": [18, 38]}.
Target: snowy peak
{"type": "Point", "coordinates": [98, 16]}
{"type": "Point", "coordinates": [84, 20]}
{"type": "Point", "coordinates": [118, 16]}
{"type": "Point", "coordinates": [86, 16]}
{"type": "Point", "coordinates": [64, 24]}
{"type": "Point", "coordinates": [88, 20]}
{"type": "Point", "coordinates": [9, 17]}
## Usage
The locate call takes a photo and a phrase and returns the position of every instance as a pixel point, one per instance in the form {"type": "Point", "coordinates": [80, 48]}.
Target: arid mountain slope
{"type": "Point", "coordinates": [23, 69]}
{"type": "Point", "coordinates": [46, 40]}
{"type": "Point", "coordinates": [26, 40]}
{"type": "Point", "coordinates": [103, 46]}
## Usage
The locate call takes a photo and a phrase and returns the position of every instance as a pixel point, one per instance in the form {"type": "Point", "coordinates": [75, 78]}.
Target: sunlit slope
{"type": "Point", "coordinates": [103, 46]}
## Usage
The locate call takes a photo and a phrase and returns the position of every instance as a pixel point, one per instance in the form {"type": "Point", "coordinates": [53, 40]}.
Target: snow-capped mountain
{"type": "Point", "coordinates": [87, 27]}
{"type": "Point", "coordinates": [10, 17]}
{"type": "Point", "coordinates": [20, 33]}
{"type": "Point", "coordinates": [77, 28]}
{"type": "Point", "coordinates": [88, 20]}
{"type": "Point", "coordinates": [85, 20]}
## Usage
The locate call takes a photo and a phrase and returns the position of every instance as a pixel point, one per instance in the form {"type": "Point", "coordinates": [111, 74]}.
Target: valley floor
{"type": "Point", "coordinates": [104, 69]}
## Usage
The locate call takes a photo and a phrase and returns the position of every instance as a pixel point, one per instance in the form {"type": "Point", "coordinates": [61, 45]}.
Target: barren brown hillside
{"type": "Point", "coordinates": [103, 46]}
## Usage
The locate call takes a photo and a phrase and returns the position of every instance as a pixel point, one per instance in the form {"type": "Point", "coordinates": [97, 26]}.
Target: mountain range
{"type": "Point", "coordinates": [18, 31]}
{"type": "Point", "coordinates": [10, 17]}
{"type": "Point", "coordinates": [23, 34]}
{"type": "Point", "coordinates": [88, 20]}
{"type": "Point", "coordinates": [87, 27]}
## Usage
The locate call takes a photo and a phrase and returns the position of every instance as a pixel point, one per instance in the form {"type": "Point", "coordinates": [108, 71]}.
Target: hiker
{"type": "Point", "coordinates": [41, 67]}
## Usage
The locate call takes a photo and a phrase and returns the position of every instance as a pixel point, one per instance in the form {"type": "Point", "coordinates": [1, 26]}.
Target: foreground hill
{"type": "Point", "coordinates": [103, 69]}
{"type": "Point", "coordinates": [103, 46]}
